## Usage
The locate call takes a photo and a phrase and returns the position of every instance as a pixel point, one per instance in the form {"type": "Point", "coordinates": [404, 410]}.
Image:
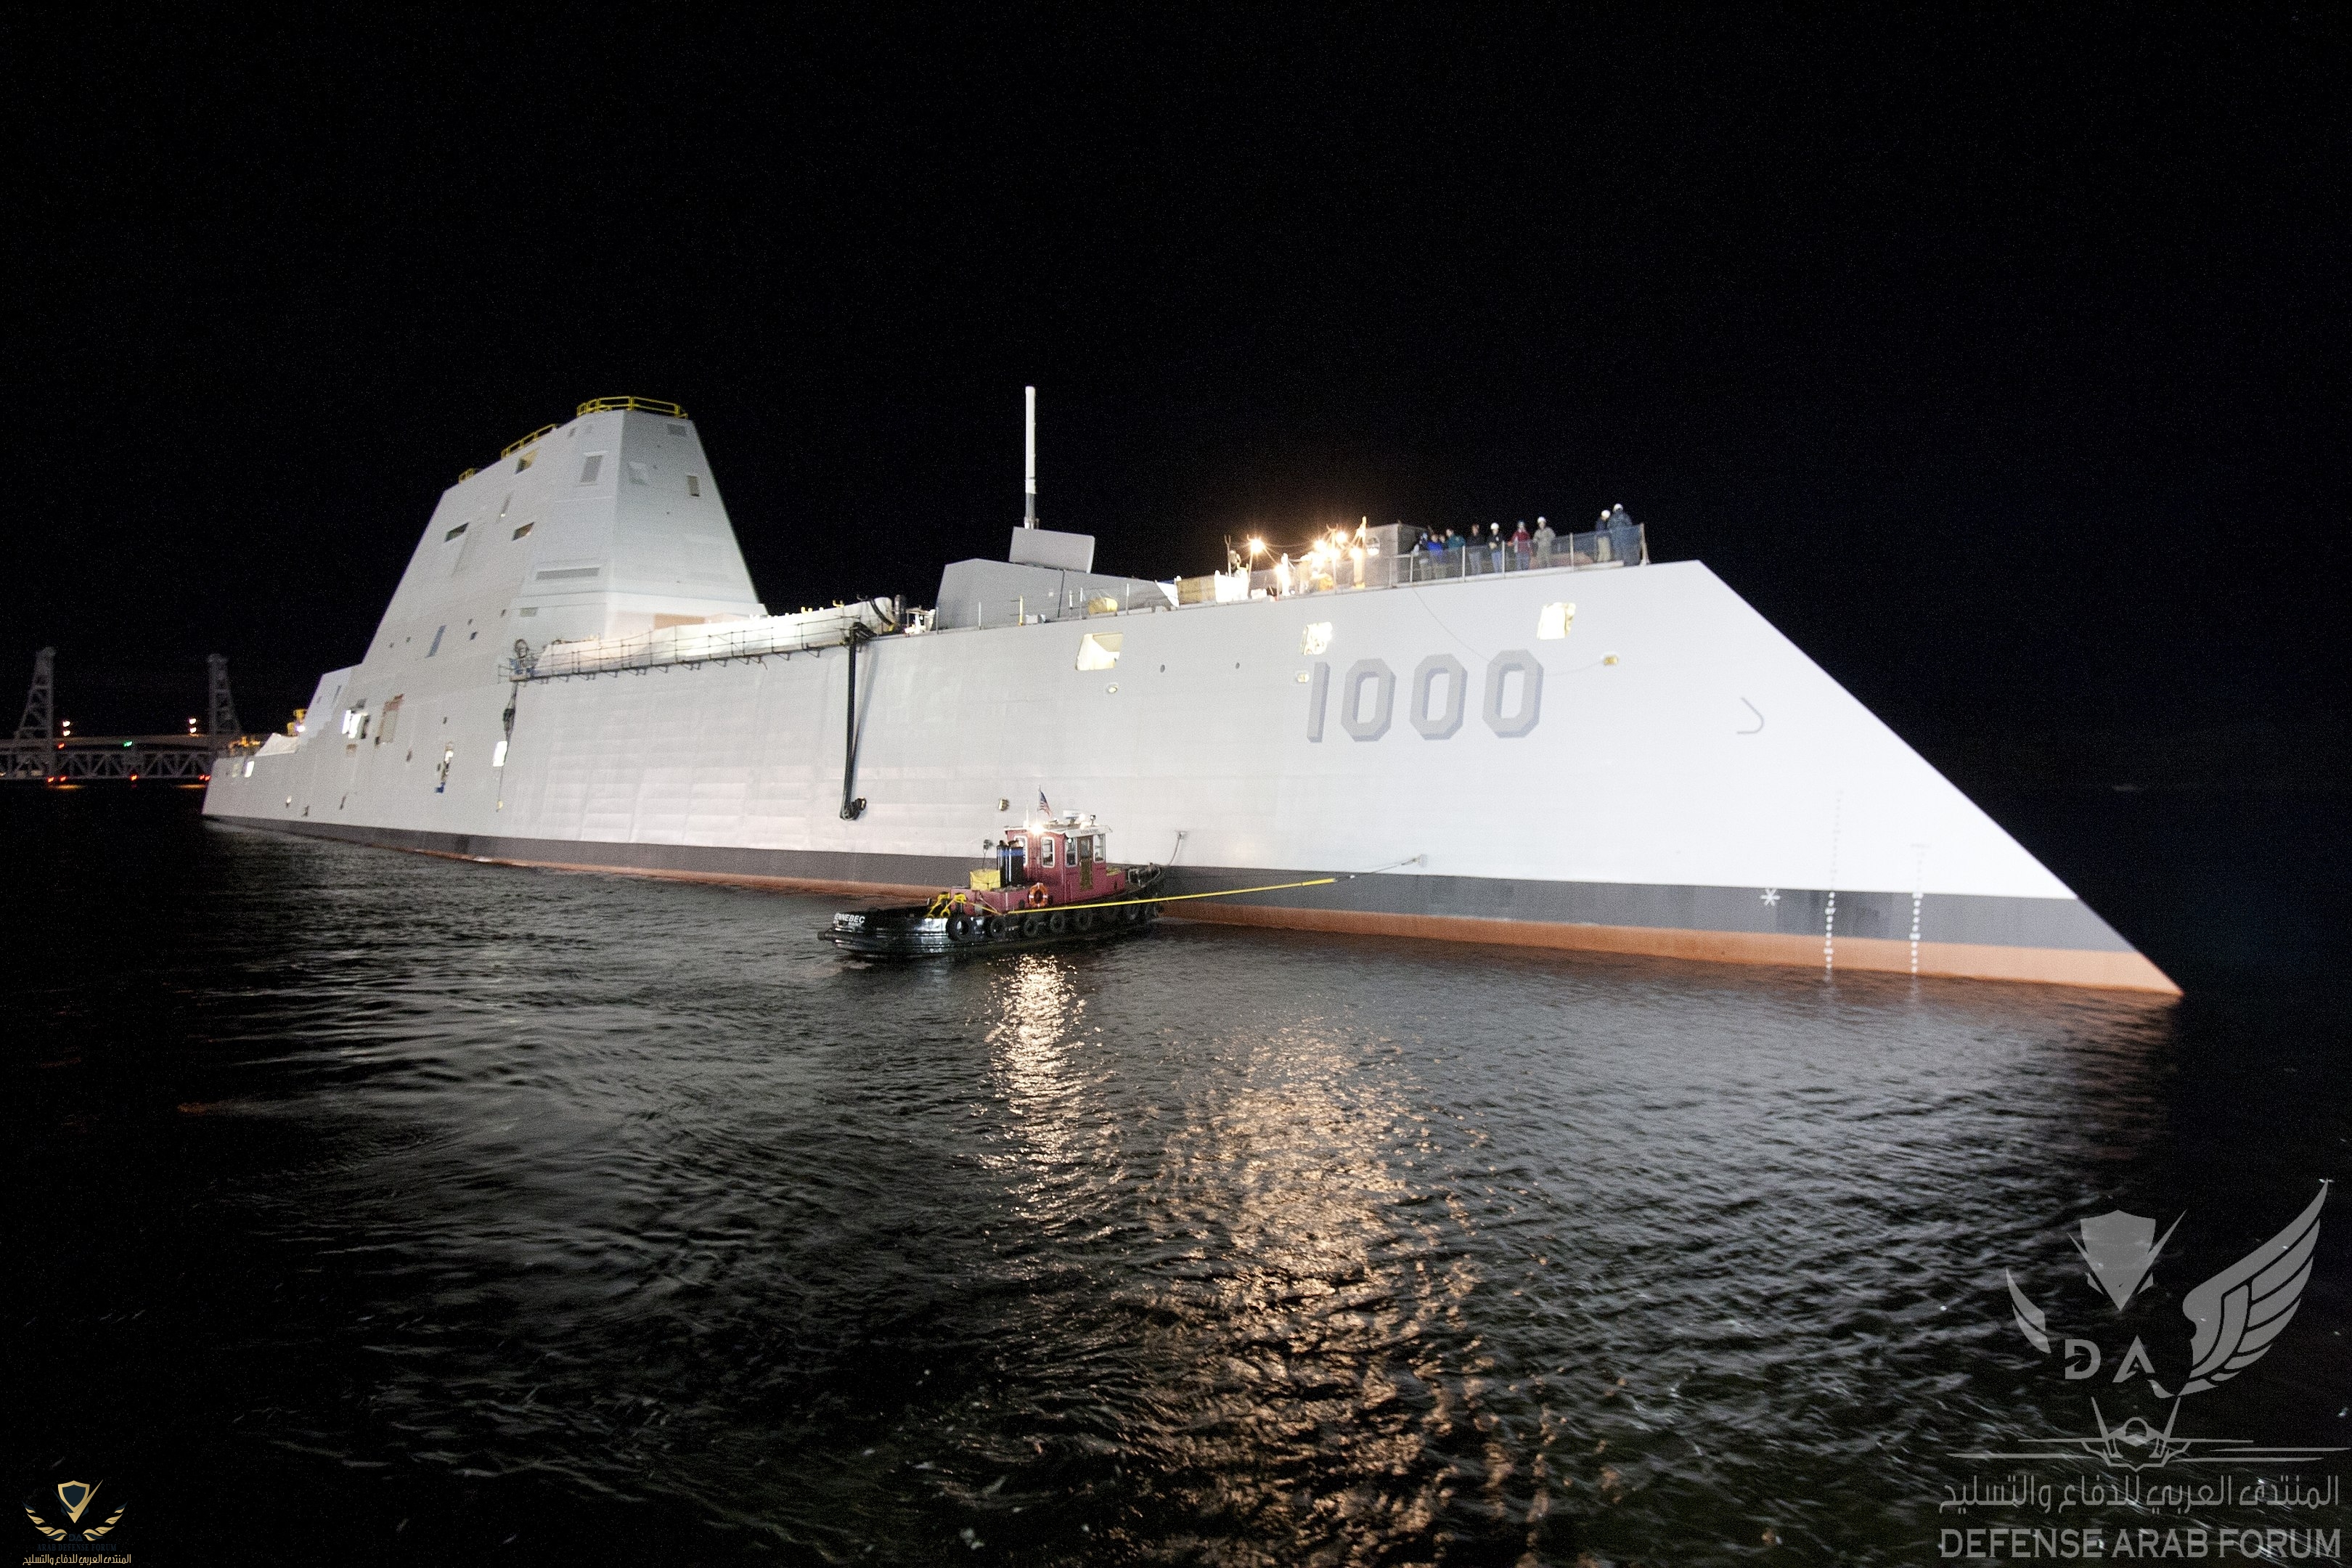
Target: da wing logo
{"type": "Point", "coordinates": [2235, 1318]}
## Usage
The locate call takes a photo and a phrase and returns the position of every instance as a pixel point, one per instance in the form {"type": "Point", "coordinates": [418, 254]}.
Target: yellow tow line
{"type": "Point", "coordinates": [1227, 893]}
{"type": "Point", "coordinates": [1117, 903]}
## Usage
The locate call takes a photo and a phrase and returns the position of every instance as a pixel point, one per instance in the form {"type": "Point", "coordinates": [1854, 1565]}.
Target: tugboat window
{"type": "Point", "coordinates": [1049, 848]}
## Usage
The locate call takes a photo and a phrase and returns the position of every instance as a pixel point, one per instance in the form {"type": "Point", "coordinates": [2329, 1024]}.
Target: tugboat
{"type": "Point", "coordinates": [1047, 883]}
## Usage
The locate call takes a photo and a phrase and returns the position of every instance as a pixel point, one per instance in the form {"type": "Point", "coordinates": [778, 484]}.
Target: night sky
{"type": "Point", "coordinates": [2000, 361]}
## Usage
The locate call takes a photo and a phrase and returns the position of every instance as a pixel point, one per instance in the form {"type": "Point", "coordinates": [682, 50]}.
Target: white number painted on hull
{"type": "Point", "coordinates": [1368, 697]}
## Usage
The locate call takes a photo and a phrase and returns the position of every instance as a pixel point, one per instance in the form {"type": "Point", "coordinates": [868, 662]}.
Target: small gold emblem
{"type": "Point", "coordinates": [75, 1497]}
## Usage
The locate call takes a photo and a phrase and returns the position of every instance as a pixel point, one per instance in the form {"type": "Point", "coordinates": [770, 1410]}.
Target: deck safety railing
{"type": "Point", "coordinates": [542, 433]}
{"type": "Point", "coordinates": [1488, 557]}
{"type": "Point", "coordinates": [622, 405]}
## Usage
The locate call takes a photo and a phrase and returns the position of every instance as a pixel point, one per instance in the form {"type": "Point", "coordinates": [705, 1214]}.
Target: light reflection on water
{"type": "Point", "coordinates": [587, 1197]}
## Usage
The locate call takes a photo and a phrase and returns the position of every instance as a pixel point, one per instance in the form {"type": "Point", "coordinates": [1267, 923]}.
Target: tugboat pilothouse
{"type": "Point", "coordinates": [1046, 883]}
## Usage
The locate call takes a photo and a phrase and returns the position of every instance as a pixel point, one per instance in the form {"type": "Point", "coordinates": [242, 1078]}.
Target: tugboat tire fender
{"type": "Point", "coordinates": [1034, 925]}
{"type": "Point", "coordinates": [958, 927]}
{"type": "Point", "coordinates": [1084, 920]}
{"type": "Point", "coordinates": [1058, 922]}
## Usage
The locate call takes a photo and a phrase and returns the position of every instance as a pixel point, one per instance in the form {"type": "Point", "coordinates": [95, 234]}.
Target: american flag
{"type": "Point", "coordinates": [1042, 806]}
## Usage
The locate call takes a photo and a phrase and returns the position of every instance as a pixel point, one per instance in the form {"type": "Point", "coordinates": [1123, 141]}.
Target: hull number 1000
{"type": "Point", "coordinates": [1435, 701]}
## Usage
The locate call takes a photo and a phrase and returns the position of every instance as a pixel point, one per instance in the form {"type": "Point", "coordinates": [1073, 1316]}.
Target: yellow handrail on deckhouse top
{"type": "Point", "coordinates": [593, 405]}
{"type": "Point", "coordinates": [622, 405]}
{"type": "Point", "coordinates": [511, 447]}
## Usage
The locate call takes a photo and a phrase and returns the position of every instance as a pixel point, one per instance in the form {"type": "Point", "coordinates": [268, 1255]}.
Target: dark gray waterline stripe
{"type": "Point", "coordinates": [1974, 918]}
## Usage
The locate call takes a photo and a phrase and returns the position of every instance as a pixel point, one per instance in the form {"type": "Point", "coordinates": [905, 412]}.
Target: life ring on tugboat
{"type": "Point", "coordinates": [1038, 896]}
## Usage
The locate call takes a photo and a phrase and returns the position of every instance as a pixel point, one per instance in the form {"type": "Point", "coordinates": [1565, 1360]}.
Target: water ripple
{"type": "Point", "coordinates": [559, 1198]}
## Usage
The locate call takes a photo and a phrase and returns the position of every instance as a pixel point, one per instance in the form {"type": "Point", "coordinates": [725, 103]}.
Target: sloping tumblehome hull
{"type": "Point", "coordinates": [1671, 776]}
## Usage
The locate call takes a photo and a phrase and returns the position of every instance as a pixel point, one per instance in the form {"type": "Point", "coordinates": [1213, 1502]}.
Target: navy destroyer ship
{"type": "Point", "coordinates": [1556, 743]}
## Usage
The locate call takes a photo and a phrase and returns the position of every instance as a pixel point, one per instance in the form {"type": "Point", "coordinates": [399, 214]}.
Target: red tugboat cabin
{"type": "Point", "coordinates": [1044, 865]}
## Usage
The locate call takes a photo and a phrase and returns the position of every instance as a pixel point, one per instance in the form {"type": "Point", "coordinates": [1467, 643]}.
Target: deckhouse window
{"type": "Point", "coordinates": [590, 467]}
{"type": "Point", "coordinates": [455, 532]}
{"type": "Point", "coordinates": [526, 528]}
{"type": "Point", "coordinates": [1047, 840]}
{"type": "Point", "coordinates": [694, 484]}
{"type": "Point", "coordinates": [526, 460]}
{"type": "Point", "coordinates": [636, 473]}
{"type": "Point", "coordinates": [1099, 650]}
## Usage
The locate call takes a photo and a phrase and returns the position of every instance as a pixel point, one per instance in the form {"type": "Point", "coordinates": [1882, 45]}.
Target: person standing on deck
{"type": "Point", "coordinates": [1623, 540]}
{"type": "Point", "coordinates": [1521, 546]}
{"type": "Point", "coordinates": [1544, 536]}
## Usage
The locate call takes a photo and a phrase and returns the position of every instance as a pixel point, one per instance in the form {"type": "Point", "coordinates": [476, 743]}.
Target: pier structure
{"type": "Point", "coordinates": [46, 751]}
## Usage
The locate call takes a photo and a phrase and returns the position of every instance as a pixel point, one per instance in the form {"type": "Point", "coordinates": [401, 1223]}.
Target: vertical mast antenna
{"type": "Point", "coordinates": [1029, 448]}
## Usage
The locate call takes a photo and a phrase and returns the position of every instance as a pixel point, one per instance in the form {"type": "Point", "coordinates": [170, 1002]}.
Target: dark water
{"type": "Point", "coordinates": [373, 1207]}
